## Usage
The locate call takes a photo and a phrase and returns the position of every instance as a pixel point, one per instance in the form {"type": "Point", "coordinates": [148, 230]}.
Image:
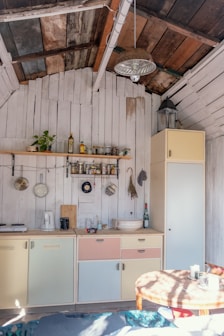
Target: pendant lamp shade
{"type": "Point", "coordinates": [135, 63]}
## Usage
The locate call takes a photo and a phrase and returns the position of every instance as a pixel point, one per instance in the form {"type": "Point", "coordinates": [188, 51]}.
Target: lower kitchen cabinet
{"type": "Point", "coordinates": [14, 271]}
{"type": "Point", "coordinates": [109, 266]}
{"type": "Point", "coordinates": [139, 254]}
{"type": "Point", "coordinates": [51, 271]}
{"type": "Point", "coordinates": [98, 269]}
{"type": "Point", "coordinates": [98, 281]}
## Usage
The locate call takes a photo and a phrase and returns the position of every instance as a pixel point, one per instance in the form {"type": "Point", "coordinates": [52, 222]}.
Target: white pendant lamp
{"type": "Point", "coordinates": [135, 62]}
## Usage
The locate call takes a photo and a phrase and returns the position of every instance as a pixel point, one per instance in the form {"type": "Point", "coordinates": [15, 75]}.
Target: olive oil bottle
{"type": "Point", "coordinates": [70, 144]}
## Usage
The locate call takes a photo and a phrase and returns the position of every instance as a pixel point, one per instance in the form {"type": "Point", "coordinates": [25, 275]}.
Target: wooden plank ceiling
{"type": "Point", "coordinates": [50, 36]}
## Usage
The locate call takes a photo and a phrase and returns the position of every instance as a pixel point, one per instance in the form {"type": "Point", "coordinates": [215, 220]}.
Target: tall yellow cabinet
{"type": "Point", "coordinates": [177, 194]}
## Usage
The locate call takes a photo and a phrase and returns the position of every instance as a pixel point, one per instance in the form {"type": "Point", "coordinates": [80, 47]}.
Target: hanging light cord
{"type": "Point", "coordinates": [135, 24]}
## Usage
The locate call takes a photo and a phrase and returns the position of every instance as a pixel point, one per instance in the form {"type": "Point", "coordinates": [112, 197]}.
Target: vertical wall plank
{"type": "Point", "coordinates": [69, 85]}
{"type": "Point", "coordinates": [141, 149]}
{"type": "Point", "coordinates": [31, 97]}
{"type": "Point", "coordinates": [3, 123]}
{"type": "Point", "coordinates": [53, 86]}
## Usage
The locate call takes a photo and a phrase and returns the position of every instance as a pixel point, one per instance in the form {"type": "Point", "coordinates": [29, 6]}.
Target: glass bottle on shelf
{"type": "Point", "coordinates": [70, 144]}
{"type": "Point", "coordinates": [146, 217]}
{"type": "Point", "coordinates": [82, 148]}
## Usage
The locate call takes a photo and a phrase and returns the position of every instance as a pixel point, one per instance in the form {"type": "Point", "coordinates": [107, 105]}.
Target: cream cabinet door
{"type": "Point", "coordinates": [178, 145]}
{"type": "Point", "coordinates": [185, 145]}
{"type": "Point", "coordinates": [14, 270]}
{"type": "Point", "coordinates": [51, 271]}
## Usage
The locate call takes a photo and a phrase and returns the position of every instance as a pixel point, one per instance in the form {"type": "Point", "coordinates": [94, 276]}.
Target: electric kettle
{"type": "Point", "coordinates": [48, 221]}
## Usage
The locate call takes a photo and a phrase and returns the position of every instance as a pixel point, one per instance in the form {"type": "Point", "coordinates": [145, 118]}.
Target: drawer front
{"type": "Point", "coordinates": [98, 248]}
{"type": "Point", "coordinates": [141, 253]}
{"type": "Point", "coordinates": [141, 242]}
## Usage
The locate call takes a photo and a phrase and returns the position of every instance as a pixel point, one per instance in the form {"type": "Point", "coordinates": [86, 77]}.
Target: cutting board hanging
{"type": "Point", "coordinates": [70, 211]}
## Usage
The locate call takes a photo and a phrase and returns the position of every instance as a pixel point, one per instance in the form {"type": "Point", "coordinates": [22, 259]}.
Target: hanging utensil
{"type": "Point", "coordinates": [142, 177]}
{"type": "Point", "coordinates": [21, 183]}
{"type": "Point", "coordinates": [131, 188]}
{"type": "Point", "coordinates": [40, 189]}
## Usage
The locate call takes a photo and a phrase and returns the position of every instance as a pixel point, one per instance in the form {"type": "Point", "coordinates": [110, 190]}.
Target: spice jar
{"type": "Point", "coordinates": [74, 168]}
{"type": "Point", "coordinates": [81, 168]}
{"type": "Point", "coordinates": [103, 168]}
{"type": "Point", "coordinates": [113, 170]}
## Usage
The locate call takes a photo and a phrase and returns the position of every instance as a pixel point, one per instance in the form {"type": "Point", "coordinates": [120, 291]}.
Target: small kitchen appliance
{"type": "Point", "coordinates": [49, 224]}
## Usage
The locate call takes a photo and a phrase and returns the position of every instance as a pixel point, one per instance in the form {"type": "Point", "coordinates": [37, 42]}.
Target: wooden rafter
{"type": "Point", "coordinates": [55, 52]}
{"type": "Point", "coordinates": [106, 32]}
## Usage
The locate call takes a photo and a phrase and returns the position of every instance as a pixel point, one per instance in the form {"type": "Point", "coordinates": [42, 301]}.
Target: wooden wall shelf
{"type": "Point", "coordinates": [92, 156]}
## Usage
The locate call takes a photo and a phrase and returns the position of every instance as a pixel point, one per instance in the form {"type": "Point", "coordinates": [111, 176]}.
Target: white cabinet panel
{"type": "Point", "coordinates": [99, 281]}
{"type": "Point", "coordinates": [51, 271]}
{"type": "Point", "coordinates": [177, 196]}
{"type": "Point", "coordinates": [185, 215]}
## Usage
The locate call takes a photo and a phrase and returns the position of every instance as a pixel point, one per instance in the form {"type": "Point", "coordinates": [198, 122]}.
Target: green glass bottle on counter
{"type": "Point", "coordinates": [146, 217]}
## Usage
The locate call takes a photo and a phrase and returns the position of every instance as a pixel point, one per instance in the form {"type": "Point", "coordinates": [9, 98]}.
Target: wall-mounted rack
{"type": "Point", "coordinates": [67, 156]}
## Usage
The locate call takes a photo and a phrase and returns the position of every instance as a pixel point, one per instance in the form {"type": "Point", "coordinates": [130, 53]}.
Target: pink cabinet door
{"type": "Point", "coordinates": [98, 248]}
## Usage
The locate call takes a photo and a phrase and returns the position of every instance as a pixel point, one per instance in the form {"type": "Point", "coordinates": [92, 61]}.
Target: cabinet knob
{"type": "Point", "coordinates": [169, 229]}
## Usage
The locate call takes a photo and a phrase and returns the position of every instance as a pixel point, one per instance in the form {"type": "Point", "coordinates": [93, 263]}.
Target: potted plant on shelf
{"type": "Point", "coordinates": [44, 141]}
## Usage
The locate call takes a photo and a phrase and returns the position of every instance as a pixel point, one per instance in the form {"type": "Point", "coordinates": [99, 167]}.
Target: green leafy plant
{"type": "Point", "coordinates": [44, 141]}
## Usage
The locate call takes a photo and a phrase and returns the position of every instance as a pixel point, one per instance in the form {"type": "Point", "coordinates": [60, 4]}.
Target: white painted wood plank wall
{"type": "Point", "coordinates": [62, 103]}
{"type": "Point", "coordinates": [199, 98]}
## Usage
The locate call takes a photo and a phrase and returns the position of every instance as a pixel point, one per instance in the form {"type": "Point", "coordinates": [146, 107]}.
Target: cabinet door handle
{"type": "Point", "coordinates": [169, 153]}
{"type": "Point", "coordinates": [123, 267]}
{"type": "Point", "coordinates": [31, 245]}
{"type": "Point", "coordinates": [26, 245]}
{"type": "Point", "coordinates": [99, 240]}
{"type": "Point", "coordinates": [118, 266]}
{"type": "Point", "coordinates": [141, 239]}
{"type": "Point", "coordinates": [141, 251]}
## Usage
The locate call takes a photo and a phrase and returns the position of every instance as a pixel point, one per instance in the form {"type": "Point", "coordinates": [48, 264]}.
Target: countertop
{"type": "Point", "coordinates": [75, 232]}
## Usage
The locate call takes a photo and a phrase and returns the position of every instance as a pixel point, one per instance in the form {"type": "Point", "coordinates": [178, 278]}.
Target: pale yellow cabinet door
{"type": "Point", "coordinates": [131, 270]}
{"type": "Point", "coordinates": [14, 269]}
{"type": "Point", "coordinates": [185, 145]}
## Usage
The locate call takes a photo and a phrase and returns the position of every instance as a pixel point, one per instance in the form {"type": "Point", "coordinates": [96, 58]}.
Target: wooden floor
{"type": "Point", "coordinates": [37, 313]}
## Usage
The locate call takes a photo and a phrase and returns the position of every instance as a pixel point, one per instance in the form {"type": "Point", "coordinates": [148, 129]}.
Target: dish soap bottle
{"type": "Point", "coordinates": [146, 217]}
{"type": "Point", "coordinates": [70, 144]}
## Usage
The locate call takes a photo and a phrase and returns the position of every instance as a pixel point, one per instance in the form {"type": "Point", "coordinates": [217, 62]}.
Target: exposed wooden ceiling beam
{"type": "Point", "coordinates": [106, 33]}
{"type": "Point", "coordinates": [177, 27]}
{"type": "Point", "coordinates": [50, 10]}
{"type": "Point", "coordinates": [55, 52]}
